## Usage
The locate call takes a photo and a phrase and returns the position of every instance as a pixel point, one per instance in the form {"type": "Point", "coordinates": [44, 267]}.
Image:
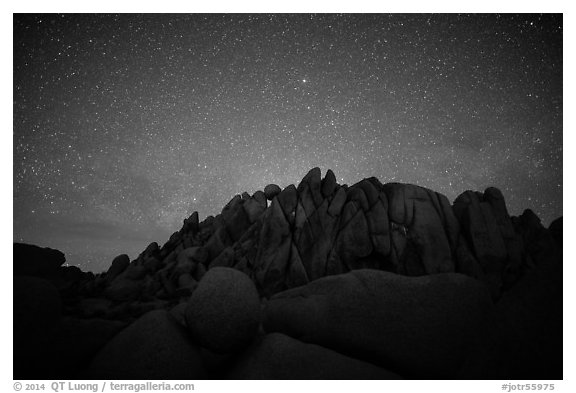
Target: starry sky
{"type": "Point", "coordinates": [123, 125]}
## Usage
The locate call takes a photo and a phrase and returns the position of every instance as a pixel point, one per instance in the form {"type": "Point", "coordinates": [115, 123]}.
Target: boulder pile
{"type": "Point", "coordinates": [318, 281]}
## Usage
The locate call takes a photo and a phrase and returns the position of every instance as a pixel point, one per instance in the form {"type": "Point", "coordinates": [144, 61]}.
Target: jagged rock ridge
{"type": "Point", "coordinates": [321, 228]}
{"type": "Point", "coordinates": [298, 245]}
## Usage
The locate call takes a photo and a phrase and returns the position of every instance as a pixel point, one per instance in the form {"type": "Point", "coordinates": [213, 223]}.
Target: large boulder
{"type": "Point", "coordinates": [191, 223]}
{"type": "Point", "coordinates": [219, 240]}
{"type": "Point", "coordinates": [416, 326]}
{"type": "Point", "coordinates": [314, 236]}
{"type": "Point", "coordinates": [513, 241]}
{"type": "Point", "coordinates": [223, 313]}
{"type": "Point", "coordinates": [288, 200]}
{"type": "Point", "coordinates": [478, 219]}
{"type": "Point", "coordinates": [353, 241]}
{"type": "Point", "coordinates": [420, 230]}
{"type": "Point", "coordinates": [273, 255]}
{"type": "Point", "coordinates": [271, 190]}
{"type": "Point", "coordinates": [255, 206]}
{"type": "Point", "coordinates": [310, 187]}
{"type": "Point", "coordinates": [279, 356]}
{"type": "Point", "coordinates": [556, 230]}
{"type": "Point", "coordinates": [119, 264]}
{"type": "Point", "coordinates": [328, 183]}
{"type": "Point", "coordinates": [30, 260]}
{"type": "Point", "coordinates": [337, 202]}
{"type": "Point", "coordinates": [155, 346]}
{"type": "Point", "coordinates": [237, 222]}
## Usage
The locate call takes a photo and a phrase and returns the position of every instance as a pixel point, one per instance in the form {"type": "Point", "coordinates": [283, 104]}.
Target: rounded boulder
{"type": "Point", "coordinates": [155, 346]}
{"type": "Point", "coordinates": [224, 313]}
{"type": "Point", "coordinates": [418, 327]}
{"type": "Point", "coordinates": [119, 264]}
{"type": "Point", "coordinates": [271, 190]}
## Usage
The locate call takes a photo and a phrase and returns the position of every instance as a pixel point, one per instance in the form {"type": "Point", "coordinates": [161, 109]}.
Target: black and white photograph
{"type": "Point", "coordinates": [287, 196]}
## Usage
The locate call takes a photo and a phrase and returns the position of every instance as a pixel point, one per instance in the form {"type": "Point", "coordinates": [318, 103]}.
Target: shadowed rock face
{"type": "Point", "coordinates": [420, 326]}
{"type": "Point", "coordinates": [361, 254]}
{"type": "Point", "coordinates": [224, 312]}
{"type": "Point", "coordinates": [279, 356]}
{"type": "Point", "coordinates": [154, 347]}
{"type": "Point", "coordinates": [30, 260]}
{"type": "Point", "coordinates": [320, 228]}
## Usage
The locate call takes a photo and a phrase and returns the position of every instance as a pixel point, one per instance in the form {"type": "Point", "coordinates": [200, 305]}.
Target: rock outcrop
{"type": "Point", "coordinates": [385, 280]}
{"type": "Point", "coordinates": [30, 260]}
{"type": "Point", "coordinates": [153, 347]}
{"type": "Point", "coordinates": [416, 326]}
{"type": "Point", "coordinates": [223, 314]}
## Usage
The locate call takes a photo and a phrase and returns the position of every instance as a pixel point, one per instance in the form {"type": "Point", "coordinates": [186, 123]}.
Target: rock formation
{"type": "Point", "coordinates": [371, 280]}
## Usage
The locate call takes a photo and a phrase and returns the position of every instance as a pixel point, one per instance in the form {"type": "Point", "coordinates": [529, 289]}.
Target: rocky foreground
{"type": "Point", "coordinates": [371, 281]}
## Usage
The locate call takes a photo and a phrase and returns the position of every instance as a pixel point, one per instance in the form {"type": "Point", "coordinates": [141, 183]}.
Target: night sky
{"type": "Point", "coordinates": [124, 125]}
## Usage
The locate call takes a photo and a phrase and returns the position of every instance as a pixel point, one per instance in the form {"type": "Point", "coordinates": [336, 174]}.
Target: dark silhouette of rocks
{"type": "Point", "coordinates": [278, 356]}
{"type": "Point", "coordinates": [37, 315]}
{"type": "Point", "coordinates": [153, 347]}
{"type": "Point", "coordinates": [524, 335]}
{"type": "Point", "coordinates": [313, 281]}
{"type": "Point", "coordinates": [119, 264]}
{"type": "Point", "coordinates": [271, 190]}
{"type": "Point", "coordinates": [80, 340]}
{"type": "Point", "coordinates": [556, 230]}
{"type": "Point", "coordinates": [30, 260]}
{"type": "Point", "coordinates": [415, 326]}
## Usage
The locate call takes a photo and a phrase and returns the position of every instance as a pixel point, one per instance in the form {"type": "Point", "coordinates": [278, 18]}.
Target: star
{"type": "Point", "coordinates": [124, 125]}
